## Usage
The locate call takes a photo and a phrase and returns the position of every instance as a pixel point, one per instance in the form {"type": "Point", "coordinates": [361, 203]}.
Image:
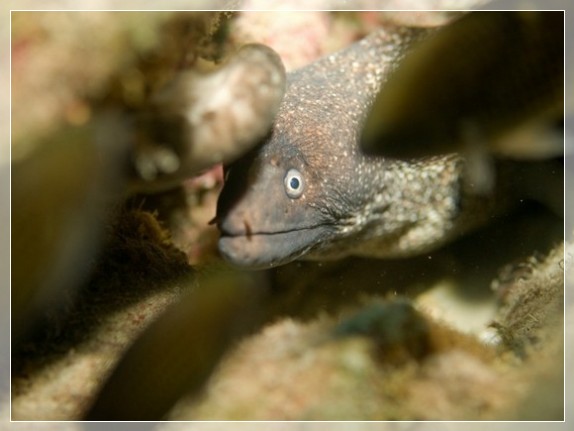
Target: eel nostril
{"type": "Point", "coordinates": [248, 231]}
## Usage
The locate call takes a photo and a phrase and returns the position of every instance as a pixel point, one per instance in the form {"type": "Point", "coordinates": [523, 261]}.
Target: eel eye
{"type": "Point", "coordinates": [294, 184]}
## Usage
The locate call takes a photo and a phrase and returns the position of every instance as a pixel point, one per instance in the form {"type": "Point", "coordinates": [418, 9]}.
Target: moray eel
{"type": "Point", "coordinates": [309, 192]}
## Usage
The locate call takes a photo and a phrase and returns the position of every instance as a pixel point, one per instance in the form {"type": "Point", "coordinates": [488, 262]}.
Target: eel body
{"type": "Point", "coordinates": [310, 192]}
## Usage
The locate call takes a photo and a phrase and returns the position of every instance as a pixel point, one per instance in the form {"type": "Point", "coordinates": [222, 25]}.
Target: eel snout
{"type": "Point", "coordinates": [247, 242]}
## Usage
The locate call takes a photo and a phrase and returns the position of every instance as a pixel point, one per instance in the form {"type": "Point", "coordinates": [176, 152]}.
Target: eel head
{"type": "Point", "coordinates": [272, 208]}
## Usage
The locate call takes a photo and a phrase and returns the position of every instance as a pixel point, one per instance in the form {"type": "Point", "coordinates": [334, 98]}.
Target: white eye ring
{"type": "Point", "coordinates": [294, 183]}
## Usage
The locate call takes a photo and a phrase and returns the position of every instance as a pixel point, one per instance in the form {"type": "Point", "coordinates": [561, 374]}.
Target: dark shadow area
{"type": "Point", "coordinates": [303, 289]}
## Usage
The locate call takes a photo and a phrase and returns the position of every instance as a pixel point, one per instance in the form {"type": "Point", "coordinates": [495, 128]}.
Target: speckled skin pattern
{"type": "Point", "coordinates": [351, 204]}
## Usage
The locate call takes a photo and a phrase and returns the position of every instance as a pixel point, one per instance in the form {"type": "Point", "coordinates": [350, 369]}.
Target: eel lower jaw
{"type": "Point", "coordinates": [267, 250]}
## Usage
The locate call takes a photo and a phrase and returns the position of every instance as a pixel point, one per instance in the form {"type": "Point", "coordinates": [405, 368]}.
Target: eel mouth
{"type": "Point", "coordinates": [261, 250]}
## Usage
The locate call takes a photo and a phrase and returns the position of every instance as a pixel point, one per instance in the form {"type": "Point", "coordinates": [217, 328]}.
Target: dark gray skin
{"type": "Point", "coordinates": [309, 192]}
